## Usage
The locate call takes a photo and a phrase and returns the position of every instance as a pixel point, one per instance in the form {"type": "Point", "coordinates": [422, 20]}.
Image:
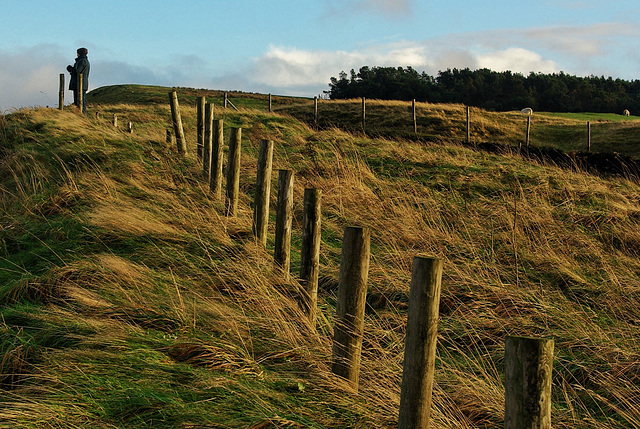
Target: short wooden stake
{"type": "Point", "coordinates": [61, 93]}
{"type": "Point", "coordinates": [233, 172]}
{"type": "Point", "coordinates": [80, 93]}
{"type": "Point", "coordinates": [115, 121]}
{"type": "Point", "coordinates": [200, 113]}
{"type": "Point", "coordinates": [352, 294]}
{"type": "Point", "coordinates": [263, 191]}
{"type": "Point", "coordinates": [310, 252]}
{"type": "Point", "coordinates": [284, 218]}
{"type": "Point", "coordinates": [215, 179]}
{"type": "Point", "coordinates": [130, 127]}
{"type": "Point", "coordinates": [176, 120]}
{"type": "Point", "coordinates": [207, 140]}
{"type": "Point", "coordinates": [420, 343]}
{"type": "Point", "coordinates": [528, 367]}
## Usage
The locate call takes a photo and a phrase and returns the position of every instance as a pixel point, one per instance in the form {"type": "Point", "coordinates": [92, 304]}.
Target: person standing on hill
{"type": "Point", "coordinates": [80, 67]}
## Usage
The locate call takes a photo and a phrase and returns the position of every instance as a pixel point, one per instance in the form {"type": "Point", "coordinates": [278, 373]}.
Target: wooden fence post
{"type": "Point", "coordinates": [468, 125]}
{"type": "Point", "coordinates": [284, 217]}
{"type": "Point", "coordinates": [207, 140]}
{"type": "Point", "coordinates": [414, 117]}
{"type": "Point", "coordinates": [420, 343]}
{"type": "Point", "coordinates": [588, 136]}
{"type": "Point", "coordinates": [61, 93]}
{"type": "Point", "coordinates": [310, 252]}
{"type": "Point", "coordinates": [352, 294]}
{"type": "Point", "coordinates": [130, 127]}
{"type": "Point", "coordinates": [176, 120]}
{"type": "Point", "coordinates": [115, 121]}
{"type": "Point", "coordinates": [270, 103]}
{"type": "Point", "coordinates": [315, 112]}
{"type": "Point", "coordinates": [528, 130]}
{"type": "Point", "coordinates": [364, 115]}
{"type": "Point", "coordinates": [263, 191]}
{"type": "Point", "coordinates": [528, 367]}
{"type": "Point", "coordinates": [200, 113]}
{"type": "Point", "coordinates": [215, 180]}
{"type": "Point", "coordinates": [226, 100]}
{"type": "Point", "coordinates": [233, 172]}
{"type": "Point", "coordinates": [80, 93]}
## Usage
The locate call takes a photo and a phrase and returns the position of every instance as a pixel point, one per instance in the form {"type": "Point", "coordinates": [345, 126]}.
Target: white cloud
{"type": "Point", "coordinates": [517, 60]}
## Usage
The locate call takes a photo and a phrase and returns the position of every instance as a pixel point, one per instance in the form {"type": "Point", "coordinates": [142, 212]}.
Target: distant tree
{"type": "Point", "coordinates": [490, 90]}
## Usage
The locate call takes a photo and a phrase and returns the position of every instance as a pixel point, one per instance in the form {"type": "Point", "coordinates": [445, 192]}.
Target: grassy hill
{"type": "Point", "coordinates": [127, 298]}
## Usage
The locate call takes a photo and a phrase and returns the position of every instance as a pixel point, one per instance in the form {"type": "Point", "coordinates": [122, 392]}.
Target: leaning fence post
{"type": "Point", "coordinates": [176, 120]}
{"type": "Point", "coordinates": [284, 217]}
{"type": "Point", "coordinates": [420, 343]}
{"type": "Point", "coordinates": [528, 367]}
{"type": "Point", "coordinates": [200, 113]}
{"type": "Point", "coordinates": [215, 180]}
{"type": "Point", "coordinates": [233, 172]}
{"type": "Point", "coordinates": [352, 294]}
{"type": "Point", "coordinates": [207, 140]}
{"type": "Point", "coordinates": [310, 251]}
{"type": "Point", "coordinates": [263, 191]}
{"type": "Point", "coordinates": [61, 93]}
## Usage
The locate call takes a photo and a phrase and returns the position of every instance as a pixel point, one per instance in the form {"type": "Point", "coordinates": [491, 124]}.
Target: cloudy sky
{"type": "Point", "coordinates": [294, 47]}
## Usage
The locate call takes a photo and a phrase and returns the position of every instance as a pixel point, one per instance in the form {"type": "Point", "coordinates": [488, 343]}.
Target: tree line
{"type": "Point", "coordinates": [557, 92]}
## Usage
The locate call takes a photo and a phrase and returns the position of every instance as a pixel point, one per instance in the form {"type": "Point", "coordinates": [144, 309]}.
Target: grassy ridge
{"type": "Point", "coordinates": [127, 300]}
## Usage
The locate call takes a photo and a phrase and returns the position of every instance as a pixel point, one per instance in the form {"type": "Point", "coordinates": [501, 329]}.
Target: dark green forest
{"type": "Point", "coordinates": [558, 92]}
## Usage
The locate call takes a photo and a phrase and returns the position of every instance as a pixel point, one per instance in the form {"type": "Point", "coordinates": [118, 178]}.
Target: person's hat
{"type": "Point", "coordinates": [83, 51]}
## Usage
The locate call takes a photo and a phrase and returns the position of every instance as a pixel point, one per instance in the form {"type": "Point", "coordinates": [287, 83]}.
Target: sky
{"type": "Point", "coordinates": [294, 47]}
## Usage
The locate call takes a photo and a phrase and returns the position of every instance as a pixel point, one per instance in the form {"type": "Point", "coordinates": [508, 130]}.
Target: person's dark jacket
{"type": "Point", "coordinates": [81, 66]}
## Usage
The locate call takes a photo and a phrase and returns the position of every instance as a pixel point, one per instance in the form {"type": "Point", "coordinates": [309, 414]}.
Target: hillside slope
{"type": "Point", "coordinates": [129, 300]}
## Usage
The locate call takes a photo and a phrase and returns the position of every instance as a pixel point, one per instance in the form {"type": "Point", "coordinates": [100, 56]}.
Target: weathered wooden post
{"type": "Point", "coordinates": [80, 93]}
{"type": "Point", "coordinates": [528, 367]}
{"type": "Point", "coordinates": [414, 117]}
{"type": "Point", "coordinates": [215, 180]}
{"type": "Point", "coordinates": [588, 136]}
{"type": "Point", "coordinates": [310, 251]}
{"type": "Point", "coordinates": [263, 191]}
{"type": "Point", "coordinates": [207, 140]}
{"type": "Point", "coordinates": [233, 172]}
{"type": "Point", "coordinates": [284, 217]}
{"type": "Point", "coordinates": [270, 103]}
{"type": "Point", "coordinates": [176, 119]}
{"type": "Point", "coordinates": [200, 112]}
{"type": "Point", "coordinates": [468, 125]}
{"type": "Point", "coordinates": [528, 131]}
{"type": "Point", "coordinates": [315, 112]}
{"type": "Point", "coordinates": [364, 115]}
{"type": "Point", "coordinates": [130, 127]}
{"type": "Point", "coordinates": [352, 293]}
{"type": "Point", "coordinates": [226, 100]}
{"type": "Point", "coordinates": [115, 121]}
{"type": "Point", "coordinates": [420, 343]}
{"type": "Point", "coordinates": [61, 93]}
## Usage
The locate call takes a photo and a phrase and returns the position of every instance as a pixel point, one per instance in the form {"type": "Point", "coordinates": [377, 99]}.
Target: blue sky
{"type": "Point", "coordinates": [294, 47]}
